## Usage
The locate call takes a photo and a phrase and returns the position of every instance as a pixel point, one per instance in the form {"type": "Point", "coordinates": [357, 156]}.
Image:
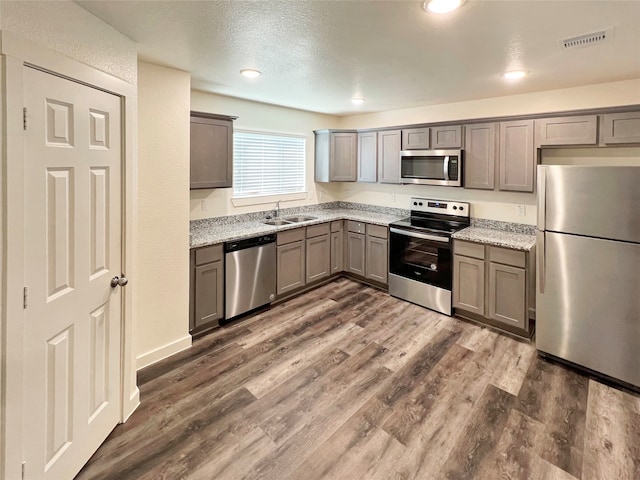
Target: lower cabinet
{"type": "Point", "coordinates": [290, 260]}
{"type": "Point", "coordinates": [493, 284]}
{"type": "Point", "coordinates": [207, 287]}
{"type": "Point", "coordinates": [366, 251]}
{"type": "Point", "coordinates": [318, 254]}
{"type": "Point", "coordinates": [355, 261]}
{"type": "Point", "coordinates": [376, 252]}
{"type": "Point", "coordinates": [468, 284]}
{"type": "Point", "coordinates": [337, 247]}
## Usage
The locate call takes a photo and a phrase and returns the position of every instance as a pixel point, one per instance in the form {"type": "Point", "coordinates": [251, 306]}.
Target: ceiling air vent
{"type": "Point", "coordinates": [585, 40]}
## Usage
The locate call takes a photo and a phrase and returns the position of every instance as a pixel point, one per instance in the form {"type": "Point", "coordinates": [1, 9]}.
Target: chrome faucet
{"type": "Point", "coordinates": [276, 211]}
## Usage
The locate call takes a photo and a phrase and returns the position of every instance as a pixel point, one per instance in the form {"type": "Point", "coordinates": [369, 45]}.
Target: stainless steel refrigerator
{"type": "Point", "coordinates": [588, 272]}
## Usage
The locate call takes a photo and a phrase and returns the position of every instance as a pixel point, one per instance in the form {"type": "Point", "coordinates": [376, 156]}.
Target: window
{"type": "Point", "coordinates": [267, 164]}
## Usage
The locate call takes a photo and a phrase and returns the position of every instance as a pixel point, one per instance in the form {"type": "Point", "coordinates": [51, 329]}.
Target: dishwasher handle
{"type": "Point", "coordinates": [249, 243]}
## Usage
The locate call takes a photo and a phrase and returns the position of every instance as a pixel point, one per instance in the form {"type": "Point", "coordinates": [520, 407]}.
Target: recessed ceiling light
{"type": "Point", "coordinates": [250, 73]}
{"type": "Point", "coordinates": [357, 100]}
{"type": "Point", "coordinates": [514, 74]}
{"type": "Point", "coordinates": [442, 6]}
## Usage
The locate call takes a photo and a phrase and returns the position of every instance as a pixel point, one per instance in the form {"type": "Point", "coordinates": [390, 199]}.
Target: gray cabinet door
{"type": "Point", "coordinates": [318, 258]}
{"type": "Point", "coordinates": [368, 157]}
{"type": "Point", "coordinates": [507, 294]}
{"type": "Point", "coordinates": [517, 156]}
{"type": "Point", "coordinates": [479, 156]}
{"type": "Point", "coordinates": [621, 128]}
{"type": "Point", "coordinates": [208, 294]}
{"type": "Point", "coordinates": [447, 136]}
{"type": "Point", "coordinates": [211, 152]}
{"type": "Point", "coordinates": [578, 130]}
{"type": "Point", "coordinates": [468, 284]}
{"type": "Point", "coordinates": [389, 156]}
{"type": "Point", "coordinates": [342, 163]}
{"type": "Point", "coordinates": [415, 138]}
{"type": "Point", "coordinates": [377, 265]}
{"type": "Point", "coordinates": [291, 266]}
{"type": "Point", "coordinates": [355, 253]}
{"type": "Point", "coordinates": [337, 252]}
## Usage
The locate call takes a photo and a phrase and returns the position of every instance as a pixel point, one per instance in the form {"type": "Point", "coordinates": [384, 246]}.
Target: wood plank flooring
{"type": "Point", "coordinates": [346, 382]}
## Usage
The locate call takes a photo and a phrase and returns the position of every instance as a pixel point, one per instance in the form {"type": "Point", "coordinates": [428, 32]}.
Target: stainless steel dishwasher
{"type": "Point", "coordinates": [250, 274]}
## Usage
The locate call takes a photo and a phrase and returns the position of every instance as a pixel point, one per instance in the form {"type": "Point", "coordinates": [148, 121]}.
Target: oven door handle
{"type": "Point", "coordinates": [424, 236]}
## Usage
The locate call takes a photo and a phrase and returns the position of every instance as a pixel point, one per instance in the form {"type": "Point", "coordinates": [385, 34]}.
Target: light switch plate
{"type": "Point", "coordinates": [522, 210]}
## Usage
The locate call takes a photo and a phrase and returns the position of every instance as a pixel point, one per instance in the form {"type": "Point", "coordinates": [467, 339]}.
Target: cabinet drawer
{"type": "Point", "coordinates": [290, 236]}
{"type": "Point", "coordinates": [336, 226]}
{"type": "Point", "coordinates": [506, 256]}
{"type": "Point", "coordinates": [469, 249]}
{"type": "Point", "coordinates": [376, 231]}
{"type": "Point", "coordinates": [317, 230]}
{"type": "Point", "coordinates": [356, 227]}
{"type": "Point", "coordinates": [208, 254]}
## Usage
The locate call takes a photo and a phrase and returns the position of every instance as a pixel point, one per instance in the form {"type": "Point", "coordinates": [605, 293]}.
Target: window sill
{"type": "Point", "coordinates": [285, 197]}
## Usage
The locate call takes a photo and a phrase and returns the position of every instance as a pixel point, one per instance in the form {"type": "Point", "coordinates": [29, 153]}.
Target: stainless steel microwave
{"type": "Point", "coordinates": [431, 167]}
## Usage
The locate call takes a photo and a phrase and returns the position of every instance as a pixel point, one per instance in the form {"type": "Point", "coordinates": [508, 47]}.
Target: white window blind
{"type": "Point", "coordinates": [267, 164]}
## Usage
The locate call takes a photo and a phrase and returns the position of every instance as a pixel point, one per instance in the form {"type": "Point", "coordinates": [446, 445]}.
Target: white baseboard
{"type": "Point", "coordinates": [163, 352]}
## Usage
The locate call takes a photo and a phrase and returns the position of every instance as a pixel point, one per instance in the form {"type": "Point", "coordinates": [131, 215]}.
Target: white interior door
{"type": "Point", "coordinates": [73, 248]}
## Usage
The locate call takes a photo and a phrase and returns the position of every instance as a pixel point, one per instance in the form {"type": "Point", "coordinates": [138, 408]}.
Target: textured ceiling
{"type": "Point", "coordinates": [316, 55]}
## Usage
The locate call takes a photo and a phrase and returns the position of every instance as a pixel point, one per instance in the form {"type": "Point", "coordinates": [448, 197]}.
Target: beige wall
{"type": "Point", "coordinates": [67, 28]}
{"type": "Point", "coordinates": [163, 212]}
{"type": "Point", "coordinates": [491, 205]}
{"type": "Point", "coordinates": [264, 118]}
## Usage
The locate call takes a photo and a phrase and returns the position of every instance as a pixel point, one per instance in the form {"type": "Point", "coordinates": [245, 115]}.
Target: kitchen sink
{"type": "Point", "coordinates": [277, 223]}
{"type": "Point", "coordinates": [300, 218]}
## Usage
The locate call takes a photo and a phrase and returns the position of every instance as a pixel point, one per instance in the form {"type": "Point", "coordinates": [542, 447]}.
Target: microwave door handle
{"type": "Point", "coordinates": [424, 236]}
{"type": "Point", "coordinates": [446, 167]}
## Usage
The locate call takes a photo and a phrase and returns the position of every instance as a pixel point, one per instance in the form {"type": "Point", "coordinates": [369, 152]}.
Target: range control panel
{"type": "Point", "coordinates": [443, 207]}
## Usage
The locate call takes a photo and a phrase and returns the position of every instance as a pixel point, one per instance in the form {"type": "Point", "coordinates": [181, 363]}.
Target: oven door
{"type": "Point", "coordinates": [420, 256]}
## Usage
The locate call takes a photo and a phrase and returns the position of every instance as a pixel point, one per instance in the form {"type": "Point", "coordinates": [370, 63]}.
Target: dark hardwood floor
{"type": "Point", "coordinates": [346, 382]}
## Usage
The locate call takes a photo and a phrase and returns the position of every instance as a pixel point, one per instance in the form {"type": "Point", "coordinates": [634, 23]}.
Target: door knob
{"type": "Point", "coordinates": [122, 281]}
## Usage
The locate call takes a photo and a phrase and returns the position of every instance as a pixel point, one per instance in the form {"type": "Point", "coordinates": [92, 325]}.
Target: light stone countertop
{"type": "Point", "coordinates": [499, 238]}
{"type": "Point", "coordinates": [203, 233]}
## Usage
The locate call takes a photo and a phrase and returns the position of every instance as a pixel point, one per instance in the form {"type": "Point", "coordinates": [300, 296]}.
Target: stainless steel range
{"type": "Point", "coordinates": [420, 260]}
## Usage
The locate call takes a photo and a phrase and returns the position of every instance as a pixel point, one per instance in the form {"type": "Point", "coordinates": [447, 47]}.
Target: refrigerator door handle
{"type": "Point", "coordinates": [540, 246]}
{"type": "Point", "coordinates": [542, 198]}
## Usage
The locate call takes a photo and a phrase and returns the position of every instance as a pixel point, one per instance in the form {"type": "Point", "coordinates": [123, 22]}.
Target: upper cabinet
{"type": "Point", "coordinates": [479, 156]}
{"type": "Point", "coordinates": [558, 131]}
{"type": "Point", "coordinates": [336, 155]}
{"type": "Point", "coordinates": [447, 136]}
{"type": "Point", "coordinates": [368, 157]}
{"type": "Point", "coordinates": [621, 128]}
{"type": "Point", "coordinates": [517, 156]}
{"type": "Point", "coordinates": [211, 151]}
{"type": "Point", "coordinates": [415, 138]}
{"type": "Point", "coordinates": [389, 142]}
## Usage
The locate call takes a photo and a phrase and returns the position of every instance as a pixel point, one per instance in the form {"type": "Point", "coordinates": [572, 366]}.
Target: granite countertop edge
{"type": "Point", "coordinates": [240, 230]}
{"type": "Point", "coordinates": [499, 238]}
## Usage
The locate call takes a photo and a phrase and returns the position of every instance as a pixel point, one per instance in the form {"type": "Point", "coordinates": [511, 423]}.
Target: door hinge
{"type": "Point", "coordinates": [24, 118]}
{"type": "Point", "coordinates": [23, 466]}
{"type": "Point", "coordinates": [24, 298]}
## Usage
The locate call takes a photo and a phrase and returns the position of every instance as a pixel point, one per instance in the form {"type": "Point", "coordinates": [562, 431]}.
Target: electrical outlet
{"type": "Point", "coordinates": [522, 210]}
{"type": "Point", "coordinates": [203, 205]}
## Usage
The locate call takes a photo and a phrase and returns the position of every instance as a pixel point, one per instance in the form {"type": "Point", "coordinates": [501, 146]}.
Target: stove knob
{"type": "Point", "coordinates": [415, 203]}
{"type": "Point", "coordinates": [455, 208]}
{"type": "Point", "coordinates": [461, 208]}
{"type": "Point", "coordinates": [420, 204]}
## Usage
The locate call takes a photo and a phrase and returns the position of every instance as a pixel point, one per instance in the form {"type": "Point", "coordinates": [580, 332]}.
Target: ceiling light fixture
{"type": "Point", "coordinates": [250, 73]}
{"type": "Point", "coordinates": [442, 6]}
{"type": "Point", "coordinates": [514, 74]}
{"type": "Point", "coordinates": [357, 100]}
